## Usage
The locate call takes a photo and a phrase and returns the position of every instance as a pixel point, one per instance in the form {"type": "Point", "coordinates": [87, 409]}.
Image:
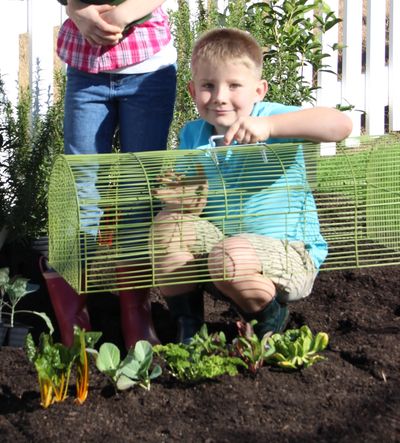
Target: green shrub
{"type": "Point", "coordinates": [30, 142]}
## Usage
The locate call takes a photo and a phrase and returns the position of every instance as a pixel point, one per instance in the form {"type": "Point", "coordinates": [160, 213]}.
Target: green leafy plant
{"type": "Point", "coordinates": [4, 279]}
{"type": "Point", "coordinates": [133, 370]}
{"type": "Point", "coordinates": [54, 363]}
{"type": "Point", "coordinates": [31, 138]}
{"type": "Point", "coordinates": [250, 348]}
{"type": "Point", "coordinates": [296, 348]}
{"type": "Point", "coordinates": [207, 356]}
{"type": "Point", "coordinates": [16, 288]}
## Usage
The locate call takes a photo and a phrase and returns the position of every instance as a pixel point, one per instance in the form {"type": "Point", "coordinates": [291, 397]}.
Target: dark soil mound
{"type": "Point", "coordinates": [352, 396]}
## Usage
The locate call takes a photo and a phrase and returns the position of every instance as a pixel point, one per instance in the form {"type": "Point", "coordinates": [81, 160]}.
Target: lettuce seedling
{"type": "Point", "coordinates": [133, 370]}
{"type": "Point", "coordinates": [207, 356]}
{"type": "Point", "coordinates": [296, 348]}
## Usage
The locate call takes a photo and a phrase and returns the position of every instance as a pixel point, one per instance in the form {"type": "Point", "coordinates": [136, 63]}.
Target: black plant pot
{"type": "Point", "coordinates": [16, 335]}
{"type": "Point", "coordinates": [41, 245]}
{"type": "Point", "coordinates": [3, 333]}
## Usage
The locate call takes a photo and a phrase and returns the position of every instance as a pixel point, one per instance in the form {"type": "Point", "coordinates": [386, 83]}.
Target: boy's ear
{"type": "Point", "coordinates": [262, 89]}
{"type": "Point", "coordinates": [192, 90]}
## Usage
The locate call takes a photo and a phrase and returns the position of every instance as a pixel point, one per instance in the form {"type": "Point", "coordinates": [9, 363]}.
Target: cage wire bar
{"type": "Point", "coordinates": [104, 229]}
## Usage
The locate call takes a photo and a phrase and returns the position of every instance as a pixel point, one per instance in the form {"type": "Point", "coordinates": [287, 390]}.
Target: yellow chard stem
{"type": "Point", "coordinates": [82, 380]}
{"type": "Point", "coordinates": [46, 393]}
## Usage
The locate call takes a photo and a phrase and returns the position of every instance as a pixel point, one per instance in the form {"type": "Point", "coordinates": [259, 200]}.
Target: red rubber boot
{"type": "Point", "coordinates": [136, 319]}
{"type": "Point", "coordinates": [69, 307]}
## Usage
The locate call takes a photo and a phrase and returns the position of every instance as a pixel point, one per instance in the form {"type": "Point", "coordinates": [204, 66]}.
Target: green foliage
{"type": "Point", "coordinates": [15, 289]}
{"type": "Point", "coordinates": [296, 348]}
{"type": "Point", "coordinates": [292, 42]}
{"type": "Point", "coordinates": [134, 369]}
{"type": "Point", "coordinates": [289, 36]}
{"type": "Point", "coordinates": [30, 142]}
{"type": "Point", "coordinates": [207, 356]}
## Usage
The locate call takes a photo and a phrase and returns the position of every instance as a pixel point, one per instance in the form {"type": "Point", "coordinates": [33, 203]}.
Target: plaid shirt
{"type": "Point", "coordinates": [140, 43]}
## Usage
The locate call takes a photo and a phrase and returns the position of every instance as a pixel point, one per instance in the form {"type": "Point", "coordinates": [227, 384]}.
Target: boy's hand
{"type": "Point", "coordinates": [247, 130]}
{"type": "Point", "coordinates": [187, 194]}
{"type": "Point", "coordinates": [88, 19]}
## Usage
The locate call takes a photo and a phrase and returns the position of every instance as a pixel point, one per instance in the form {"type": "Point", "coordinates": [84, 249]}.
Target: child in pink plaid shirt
{"type": "Point", "coordinates": [121, 80]}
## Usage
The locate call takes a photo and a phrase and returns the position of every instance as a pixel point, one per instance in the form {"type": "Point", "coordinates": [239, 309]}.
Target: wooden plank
{"type": "Point", "coordinates": [352, 80]}
{"type": "Point", "coordinates": [394, 66]}
{"type": "Point", "coordinates": [12, 24]}
{"type": "Point", "coordinates": [376, 78]}
{"type": "Point", "coordinates": [329, 92]}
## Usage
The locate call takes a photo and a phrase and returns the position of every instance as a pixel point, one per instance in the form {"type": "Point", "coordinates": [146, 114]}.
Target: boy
{"type": "Point", "coordinates": [276, 259]}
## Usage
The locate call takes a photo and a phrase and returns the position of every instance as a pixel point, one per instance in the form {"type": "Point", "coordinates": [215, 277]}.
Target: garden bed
{"type": "Point", "coordinates": [352, 396]}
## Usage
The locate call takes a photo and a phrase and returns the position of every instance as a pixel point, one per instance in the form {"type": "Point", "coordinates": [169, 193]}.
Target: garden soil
{"type": "Point", "coordinates": [351, 396]}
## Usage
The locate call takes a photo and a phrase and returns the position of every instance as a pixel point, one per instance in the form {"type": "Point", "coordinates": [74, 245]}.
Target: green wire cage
{"type": "Point", "coordinates": [103, 208]}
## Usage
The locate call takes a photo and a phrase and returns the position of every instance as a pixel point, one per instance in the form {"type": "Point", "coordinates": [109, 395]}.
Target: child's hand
{"type": "Point", "coordinates": [187, 194]}
{"type": "Point", "coordinates": [247, 130]}
{"type": "Point", "coordinates": [88, 19]}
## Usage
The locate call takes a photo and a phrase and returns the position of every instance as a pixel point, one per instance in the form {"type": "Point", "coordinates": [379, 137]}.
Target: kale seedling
{"type": "Point", "coordinates": [207, 356]}
{"type": "Point", "coordinates": [133, 370]}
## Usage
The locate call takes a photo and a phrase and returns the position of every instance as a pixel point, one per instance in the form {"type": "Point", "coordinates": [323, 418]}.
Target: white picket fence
{"type": "Point", "coordinates": [373, 87]}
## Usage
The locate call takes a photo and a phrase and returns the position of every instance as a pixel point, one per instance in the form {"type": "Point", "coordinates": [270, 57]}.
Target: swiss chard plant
{"type": "Point", "coordinates": [54, 363]}
{"type": "Point", "coordinates": [207, 356]}
{"type": "Point", "coordinates": [133, 370]}
{"type": "Point", "coordinates": [296, 348]}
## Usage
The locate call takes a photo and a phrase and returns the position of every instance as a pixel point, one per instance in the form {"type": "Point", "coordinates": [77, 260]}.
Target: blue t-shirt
{"type": "Point", "coordinates": [262, 191]}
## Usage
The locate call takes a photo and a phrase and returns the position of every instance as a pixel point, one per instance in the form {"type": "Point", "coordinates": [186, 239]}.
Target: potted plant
{"type": "Point", "coordinates": [4, 279]}
{"type": "Point", "coordinates": [26, 159]}
{"type": "Point", "coordinates": [12, 291]}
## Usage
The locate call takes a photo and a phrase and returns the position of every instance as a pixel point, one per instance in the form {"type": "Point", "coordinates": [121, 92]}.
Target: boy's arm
{"type": "Point", "coordinates": [319, 124]}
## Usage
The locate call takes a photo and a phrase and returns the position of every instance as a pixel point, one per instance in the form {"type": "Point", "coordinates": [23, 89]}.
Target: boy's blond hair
{"type": "Point", "coordinates": [224, 44]}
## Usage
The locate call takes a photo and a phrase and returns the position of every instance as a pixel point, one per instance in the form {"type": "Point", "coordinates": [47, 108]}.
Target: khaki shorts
{"type": "Point", "coordinates": [286, 263]}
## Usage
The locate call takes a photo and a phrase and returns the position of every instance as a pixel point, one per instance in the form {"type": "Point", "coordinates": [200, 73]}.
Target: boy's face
{"type": "Point", "coordinates": [225, 91]}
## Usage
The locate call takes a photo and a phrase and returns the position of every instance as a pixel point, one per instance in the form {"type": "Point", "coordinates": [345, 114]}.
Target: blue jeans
{"type": "Point", "coordinates": [140, 106]}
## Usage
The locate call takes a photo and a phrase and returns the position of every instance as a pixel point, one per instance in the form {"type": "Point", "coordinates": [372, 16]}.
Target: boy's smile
{"type": "Point", "coordinates": [226, 91]}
